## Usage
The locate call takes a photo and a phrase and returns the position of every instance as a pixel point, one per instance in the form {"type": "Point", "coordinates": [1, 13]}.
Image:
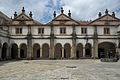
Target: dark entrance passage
{"type": "Point", "coordinates": [23, 51]}
{"type": "Point", "coordinates": [45, 51]}
{"type": "Point", "coordinates": [14, 51]}
{"type": "Point", "coordinates": [67, 51]}
{"type": "Point", "coordinates": [106, 49]}
{"type": "Point", "coordinates": [58, 51]}
{"type": "Point", "coordinates": [4, 51]}
{"type": "Point", "coordinates": [79, 51]}
{"type": "Point", "coordinates": [88, 50]}
{"type": "Point", "coordinates": [36, 51]}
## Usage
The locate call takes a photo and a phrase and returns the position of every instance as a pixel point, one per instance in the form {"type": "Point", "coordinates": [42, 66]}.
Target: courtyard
{"type": "Point", "coordinates": [82, 69]}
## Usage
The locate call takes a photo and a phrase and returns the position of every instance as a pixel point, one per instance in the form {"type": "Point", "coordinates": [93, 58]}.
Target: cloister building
{"type": "Point", "coordinates": [62, 38]}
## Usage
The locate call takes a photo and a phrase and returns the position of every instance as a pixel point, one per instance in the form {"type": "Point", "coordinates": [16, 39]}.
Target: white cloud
{"type": "Point", "coordinates": [88, 9]}
{"type": "Point", "coordinates": [43, 9]}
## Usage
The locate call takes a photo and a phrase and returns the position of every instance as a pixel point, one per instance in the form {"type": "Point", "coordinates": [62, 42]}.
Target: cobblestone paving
{"type": "Point", "coordinates": [85, 69]}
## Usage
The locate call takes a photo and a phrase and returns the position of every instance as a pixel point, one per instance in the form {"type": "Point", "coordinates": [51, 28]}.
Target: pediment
{"type": "Point", "coordinates": [106, 20]}
{"type": "Point", "coordinates": [23, 16]}
{"type": "Point", "coordinates": [63, 19]}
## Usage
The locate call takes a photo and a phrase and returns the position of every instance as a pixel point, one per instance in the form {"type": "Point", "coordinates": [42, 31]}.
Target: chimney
{"type": "Point", "coordinates": [23, 10]}
{"type": "Point", "coordinates": [54, 14]}
{"type": "Point", "coordinates": [113, 14]}
{"type": "Point", "coordinates": [30, 14]}
{"type": "Point", "coordinates": [62, 10]}
{"type": "Point", "coordinates": [100, 14]}
{"type": "Point", "coordinates": [69, 14]}
{"type": "Point", "coordinates": [15, 14]}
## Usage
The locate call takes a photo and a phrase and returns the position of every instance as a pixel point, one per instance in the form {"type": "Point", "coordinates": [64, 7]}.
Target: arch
{"type": "Point", "coordinates": [4, 51]}
{"type": "Point", "coordinates": [67, 50]}
{"type": "Point", "coordinates": [79, 51]}
{"type": "Point", "coordinates": [23, 50]}
{"type": "Point", "coordinates": [58, 51]}
{"type": "Point", "coordinates": [105, 48]}
{"type": "Point", "coordinates": [88, 49]}
{"type": "Point", "coordinates": [36, 51]}
{"type": "Point", "coordinates": [45, 51]}
{"type": "Point", "coordinates": [14, 51]}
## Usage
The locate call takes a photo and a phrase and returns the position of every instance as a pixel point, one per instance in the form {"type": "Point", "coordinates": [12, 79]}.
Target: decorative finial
{"type": "Point", "coordinates": [113, 14]}
{"type": "Point", "coordinates": [23, 10]}
{"type": "Point", "coordinates": [30, 14]}
{"type": "Point", "coordinates": [106, 12]}
{"type": "Point", "coordinates": [54, 14]}
{"type": "Point", "coordinates": [62, 10]}
{"type": "Point", "coordinates": [69, 14]}
{"type": "Point", "coordinates": [100, 14]}
{"type": "Point", "coordinates": [15, 14]}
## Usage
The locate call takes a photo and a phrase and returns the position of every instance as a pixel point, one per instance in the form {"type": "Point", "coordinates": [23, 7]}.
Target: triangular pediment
{"type": "Point", "coordinates": [23, 16]}
{"type": "Point", "coordinates": [106, 20]}
{"type": "Point", "coordinates": [63, 19]}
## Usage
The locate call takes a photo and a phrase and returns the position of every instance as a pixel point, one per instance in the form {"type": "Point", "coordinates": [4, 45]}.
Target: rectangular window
{"type": "Point", "coordinates": [40, 30]}
{"type": "Point", "coordinates": [83, 30]}
{"type": "Point", "coordinates": [62, 30]}
{"type": "Point", "coordinates": [106, 30]}
{"type": "Point", "coordinates": [18, 30]}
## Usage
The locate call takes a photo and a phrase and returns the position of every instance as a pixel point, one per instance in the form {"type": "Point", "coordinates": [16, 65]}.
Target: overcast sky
{"type": "Point", "coordinates": [43, 9]}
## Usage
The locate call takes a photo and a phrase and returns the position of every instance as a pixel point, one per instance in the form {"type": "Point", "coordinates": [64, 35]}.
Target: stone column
{"type": "Point", "coordinates": [73, 52]}
{"type": "Point", "coordinates": [0, 52]}
{"type": "Point", "coordinates": [8, 53]}
{"type": "Point", "coordinates": [62, 52]}
{"type": "Point", "coordinates": [29, 52]}
{"type": "Point", "coordinates": [19, 53]}
{"type": "Point", "coordinates": [83, 52]}
{"type": "Point", "coordinates": [40, 52]}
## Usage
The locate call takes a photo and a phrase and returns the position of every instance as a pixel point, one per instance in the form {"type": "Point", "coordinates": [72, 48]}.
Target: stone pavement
{"type": "Point", "coordinates": [83, 69]}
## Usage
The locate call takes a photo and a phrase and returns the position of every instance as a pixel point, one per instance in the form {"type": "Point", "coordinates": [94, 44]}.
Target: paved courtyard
{"type": "Point", "coordinates": [83, 69]}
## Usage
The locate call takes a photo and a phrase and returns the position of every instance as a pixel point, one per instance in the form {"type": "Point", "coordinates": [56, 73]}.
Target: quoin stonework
{"type": "Point", "coordinates": [62, 38]}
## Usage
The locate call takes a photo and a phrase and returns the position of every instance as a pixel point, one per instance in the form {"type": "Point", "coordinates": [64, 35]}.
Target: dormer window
{"type": "Point", "coordinates": [62, 30]}
{"type": "Point", "coordinates": [106, 30]}
{"type": "Point", "coordinates": [40, 30]}
{"type": "Point", "coordinates": [18, 30]}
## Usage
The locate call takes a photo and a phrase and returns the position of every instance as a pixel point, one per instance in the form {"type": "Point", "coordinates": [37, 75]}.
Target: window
{"type": "Point", "coordinates": [62, 30]}
{"type": "Point", "coordinates": [106, 30]}
{"type": "Point", "coordinates": [83, 30]}
{"type": "Point", "coordinates": [18, 30]}
{"type": "Point", "coordinates": [40, 30]}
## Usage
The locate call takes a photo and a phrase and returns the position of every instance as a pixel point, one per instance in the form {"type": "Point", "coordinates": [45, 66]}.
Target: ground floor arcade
{"type": "Point", "coordinates": [59, 52]}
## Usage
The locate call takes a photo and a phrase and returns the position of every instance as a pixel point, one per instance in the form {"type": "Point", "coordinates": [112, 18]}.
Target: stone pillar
{"type": "Point", "coordinates": [73, 52]}
{"type": "Point", "coordinates": [0, 52]}
{"type": "Point", "coordinates": [62, 52]}
{"type": "Point", "coordinates": [40, 52]}
{"type": "Point", "coordinates": [8, 53]}
{"type": "Point", "coordinates": [29, 52]}
{"type": "Point", "coordinates": [19, 53]}
{"type": "Point", "coordinates": [83, 52]}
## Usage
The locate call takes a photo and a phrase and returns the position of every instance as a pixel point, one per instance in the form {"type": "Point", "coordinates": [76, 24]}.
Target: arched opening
{"type": "Point", "coordinates": [23, 51]}
{"type": "Point", "coordinates": [67, 51]}
{"type": "Point", "coordinates": [14, 51]}
{"type": "Point", "coordinates": [79, 51]}
{"type": "Point", "coordinates": [106, 49]}
{"type": "Point", "coordinates": [4, 51]}
{"type": "Point", "coordinates": [58, 51]}
{"type": "Point", "coordinates": [88, 50]}
{"type": "Point", "coordinates": [45, 51]}
{"type": "Point", "coordinates": [36, 51]}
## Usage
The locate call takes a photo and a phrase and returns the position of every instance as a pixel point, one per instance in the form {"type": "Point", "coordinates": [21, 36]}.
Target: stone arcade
{"type": "Point", "coordinates": [61, 38]}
